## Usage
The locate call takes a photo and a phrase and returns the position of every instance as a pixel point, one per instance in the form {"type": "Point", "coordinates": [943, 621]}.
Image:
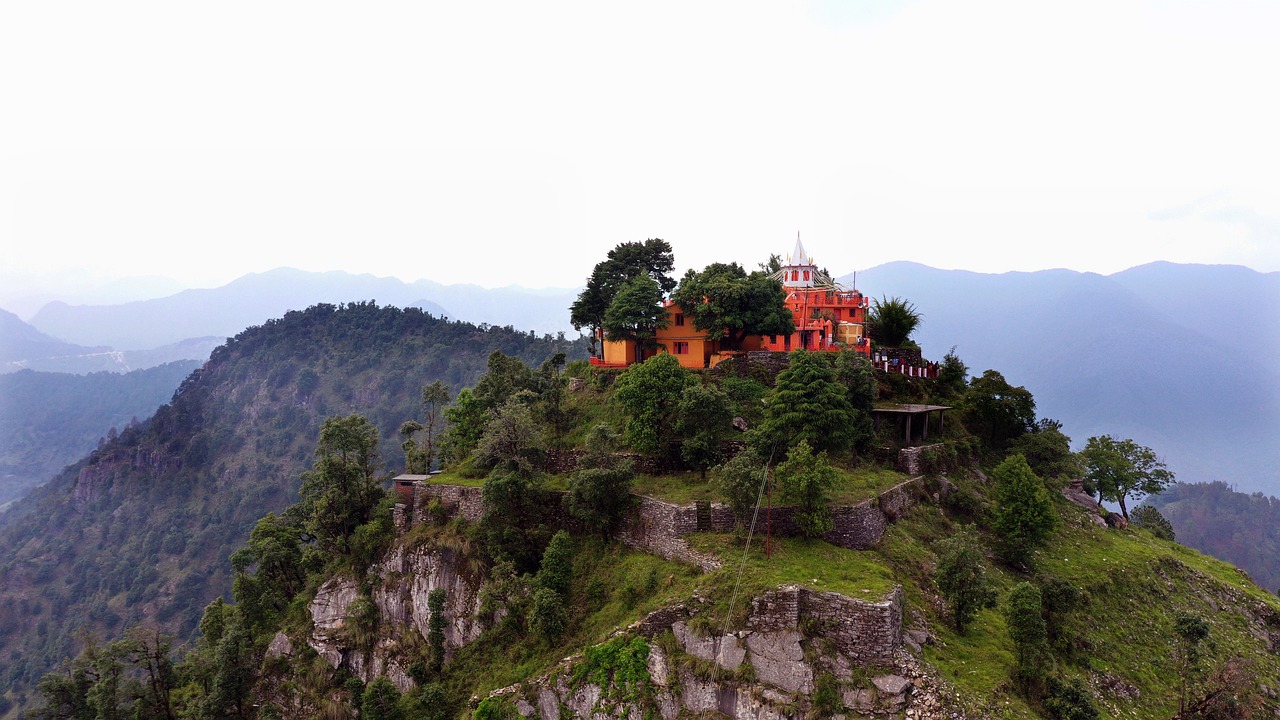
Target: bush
{"type": "Point", "coordinates": [805, 479]}
{"type": "Point", "coordinates": [1024, 615]}
{"type": "Point", "coordinates": [1149, 518]}
{"type": "Point", "coordinates": [962, 579]}
{"type": "Point", "coordinates": [1070, 700]}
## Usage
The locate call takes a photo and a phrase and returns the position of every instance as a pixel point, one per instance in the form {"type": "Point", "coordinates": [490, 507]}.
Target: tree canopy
{"type": "Point", "coordinates": [651, 393]}
{"type": "Point", "coordinates": [636, 314]}
{"type": "Point", "coordinates": [652, 258]}
{"type": "Point", "coordinates": [729, 304]}
{"type": "Point", "coordinates": [1123, 470]}
{"type": "Point", "coordinates": [996, 411]}
{"type": "Point", "coordinates": [807, 403]}
{"type": "Point", "coordinates": [892, 321]}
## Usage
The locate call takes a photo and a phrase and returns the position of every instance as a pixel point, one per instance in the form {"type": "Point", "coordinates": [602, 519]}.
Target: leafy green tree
{"type": "Point", "coordinates": [1060, 598]}
{"type": "Point", "coordinates": [892, 320]}
{"type": "Point", "coordinates": [807, 404]}
{"type": "Point", "coordinates": [466, 422]}
{"type": "Point", "coordinates": [548, 617]}
{"type": "Point", "coordinates": [131, 678]}
{"type": "Point", "coordinates": [1190, 633]}
{"type": "Point", "coordinates": [728, 304]}
{"type": "Point", "coordinates": [961, 577]}
{"type": "Point", "coordinates": [953, 375]}
{"type": "Point", "coordinates": [381, 701]}
{"type": "Point", "coordinates": [805, 480]}
{"type": "Point", "coordinates": [1148, 517]}
{"type": "Point", "coordinates": [556, 570]}
{"type": "Point", "coordinates": [235, 667]}
{"type": "Point", "coordinates": [1048, 451]}
{"type": "Point", "coordinates": [427, 702]}
{"type": "Point", "coordinates": [550, 410]}
{"type": "Point", "coordinates": [436, 623]}
{"type": "Point", "coordinates": [269, 570]}
{"type": "Point", "coordinates": [1070, 700]}
{"type": "Point", "coordinates": [420, 456]}
{"type": "Point", "coordinates": [512, 527]}
{"type": "Point", "coordinates": [855, 374]}
{"type": "Point", "coordinates": [650, 392]}
{"type": "Point", "coordinates": [600, 488]}
{"type": "Point", "coordinates": [704, 417]}
{"type": "Point", "coordinates": [997, 412]}
{"type": "Point", "coordinates": [1024, 616]}
{"type": "Point", "coordinates": [511, 438]}
{"type": "Point", "coordinates": [505, 377]}
{"type": "Point", "coordinates": [652, 258]}
{"type": "Point", "coordinates": [636, 315]}
{"type": "Point", "coordinates": [740, 481]}
{"type": "Point", "coordinates": [1123, 469]}
{"type": "Point", "coordinates": [344, 485]}
{"type": "Point", "coordinates": [1024, 514]}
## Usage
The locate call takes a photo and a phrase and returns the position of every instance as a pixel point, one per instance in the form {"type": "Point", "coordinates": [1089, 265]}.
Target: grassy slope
{"type": "Point", "coordinates": [1135, 583]}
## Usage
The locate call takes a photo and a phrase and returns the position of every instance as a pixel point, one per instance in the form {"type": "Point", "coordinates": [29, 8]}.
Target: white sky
{"type": "Point", "coordinates": [516, 143]}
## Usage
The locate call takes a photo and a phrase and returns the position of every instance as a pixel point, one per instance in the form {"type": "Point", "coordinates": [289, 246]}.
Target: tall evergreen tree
{"type": "Point", "coordinates": [807, 404]}
{"type": "Point", "coordinates": [1024, 509]}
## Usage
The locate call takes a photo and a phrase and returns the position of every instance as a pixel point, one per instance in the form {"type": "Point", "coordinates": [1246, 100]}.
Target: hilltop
{"type": "Point", "coordinates": [140, 529]}
{"type": "Point", "coordinates": [604, 617]}
{"type": "Point", "coordinates": [743, 532]}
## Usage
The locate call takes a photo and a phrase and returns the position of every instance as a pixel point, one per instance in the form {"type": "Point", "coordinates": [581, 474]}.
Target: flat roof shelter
{"type": "Point", "coordinates": [913, 420]}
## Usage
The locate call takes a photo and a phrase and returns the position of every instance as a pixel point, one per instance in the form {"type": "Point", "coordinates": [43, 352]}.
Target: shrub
{"type": "Point", "coordinates": [805, 479]}
{"type": "Point", "coordinates": [962, 579]}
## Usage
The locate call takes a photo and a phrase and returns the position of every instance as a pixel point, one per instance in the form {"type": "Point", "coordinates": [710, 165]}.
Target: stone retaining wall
{"type": "Point", "coordinates": [660, 527]}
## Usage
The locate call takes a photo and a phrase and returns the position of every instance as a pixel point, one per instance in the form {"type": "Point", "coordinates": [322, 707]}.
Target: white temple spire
{"type": "Point", "coordinates": [799, 256]}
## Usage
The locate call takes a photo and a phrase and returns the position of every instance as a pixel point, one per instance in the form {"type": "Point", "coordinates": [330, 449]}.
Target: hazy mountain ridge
{"type": "Point", "coordinates": [141, 528]}
{"type": "Point", "coordinates": [1111, 354]}
{"type": "Point", "coordinates": [257, 297]}
{"type": "Point", "coordinates": [50, 420]}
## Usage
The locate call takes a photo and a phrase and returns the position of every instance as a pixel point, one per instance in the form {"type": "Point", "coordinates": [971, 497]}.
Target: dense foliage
{"type": "Point", "coordinates": [50, 420]}
{"type": "Point", "coordinates": [1215, 518]}
{"type": "Point", "coordinates": [141, 529]}
{"type": "Point", "coordinates": [556, 446]}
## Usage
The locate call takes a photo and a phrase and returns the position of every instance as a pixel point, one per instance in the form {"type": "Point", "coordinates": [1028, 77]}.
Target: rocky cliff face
{"type": "Point", "coordinates": [400, 584]}
{"type": "Point", "coordinates": [800, 653]}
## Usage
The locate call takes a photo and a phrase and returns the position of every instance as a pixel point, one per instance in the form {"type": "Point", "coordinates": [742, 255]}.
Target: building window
{"type": "Point", "coordinates": [679, 319]}
{"type": "Point", "coordinates": [795, 275]}
{"type": "Point", "coordinates": [806, 274]}
{"type": "Point", "coordinates": [682, 348]}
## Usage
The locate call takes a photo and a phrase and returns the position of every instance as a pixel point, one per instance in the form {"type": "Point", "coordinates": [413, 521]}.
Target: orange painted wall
{"type": "Point", "coordinates": [698, 352]}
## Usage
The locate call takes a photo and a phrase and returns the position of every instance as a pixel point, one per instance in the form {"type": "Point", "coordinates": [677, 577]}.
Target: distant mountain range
{"type": "Point", "coordinates": [1182, 358]}
{"type": "Point", "coordinates": [1179, 357]}
{"type": "Point", "coordinates": [258, 297]}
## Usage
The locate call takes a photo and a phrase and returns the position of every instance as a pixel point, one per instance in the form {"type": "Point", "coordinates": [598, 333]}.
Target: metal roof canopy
{"type": "Point", "coordinates": [908, 413]}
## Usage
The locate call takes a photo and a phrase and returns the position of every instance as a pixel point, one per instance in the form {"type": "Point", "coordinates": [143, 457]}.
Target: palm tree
{"type": "Point", "coordinates": [892, 321]}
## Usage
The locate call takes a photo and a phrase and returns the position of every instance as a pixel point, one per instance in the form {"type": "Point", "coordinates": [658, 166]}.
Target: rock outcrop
{"type": "Point", "coordinates": [794, 641]}
{"type": "Point", "coordinates": [401, 584]}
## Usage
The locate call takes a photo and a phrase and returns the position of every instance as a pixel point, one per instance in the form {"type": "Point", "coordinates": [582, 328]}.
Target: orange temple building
{"type": "Point", "coordinates": [828, 317]}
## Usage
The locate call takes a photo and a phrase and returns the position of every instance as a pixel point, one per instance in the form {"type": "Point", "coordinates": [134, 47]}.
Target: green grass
{"type": "Point", "coordinates": [1134, 585]}
{"type": "Point", "coordinates": [612, 588]}
{"type": "Point", "coordinates": [683, 488]}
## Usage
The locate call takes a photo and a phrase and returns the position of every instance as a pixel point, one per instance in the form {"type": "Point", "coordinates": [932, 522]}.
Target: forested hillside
{"type": "Point", "coordinates": [1215, 518]}
{"type": "Point", "coordinates": [141, 529]}
{"type": "Point", "coordinates": [50, 420]}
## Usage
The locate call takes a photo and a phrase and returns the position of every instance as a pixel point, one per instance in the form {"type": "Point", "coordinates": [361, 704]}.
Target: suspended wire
{"type": "Point", "coordinates": [742, 565]}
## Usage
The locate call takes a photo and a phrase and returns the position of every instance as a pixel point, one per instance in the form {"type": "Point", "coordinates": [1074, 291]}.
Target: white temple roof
{"type": "Point", "coordinates": [799, 256]}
